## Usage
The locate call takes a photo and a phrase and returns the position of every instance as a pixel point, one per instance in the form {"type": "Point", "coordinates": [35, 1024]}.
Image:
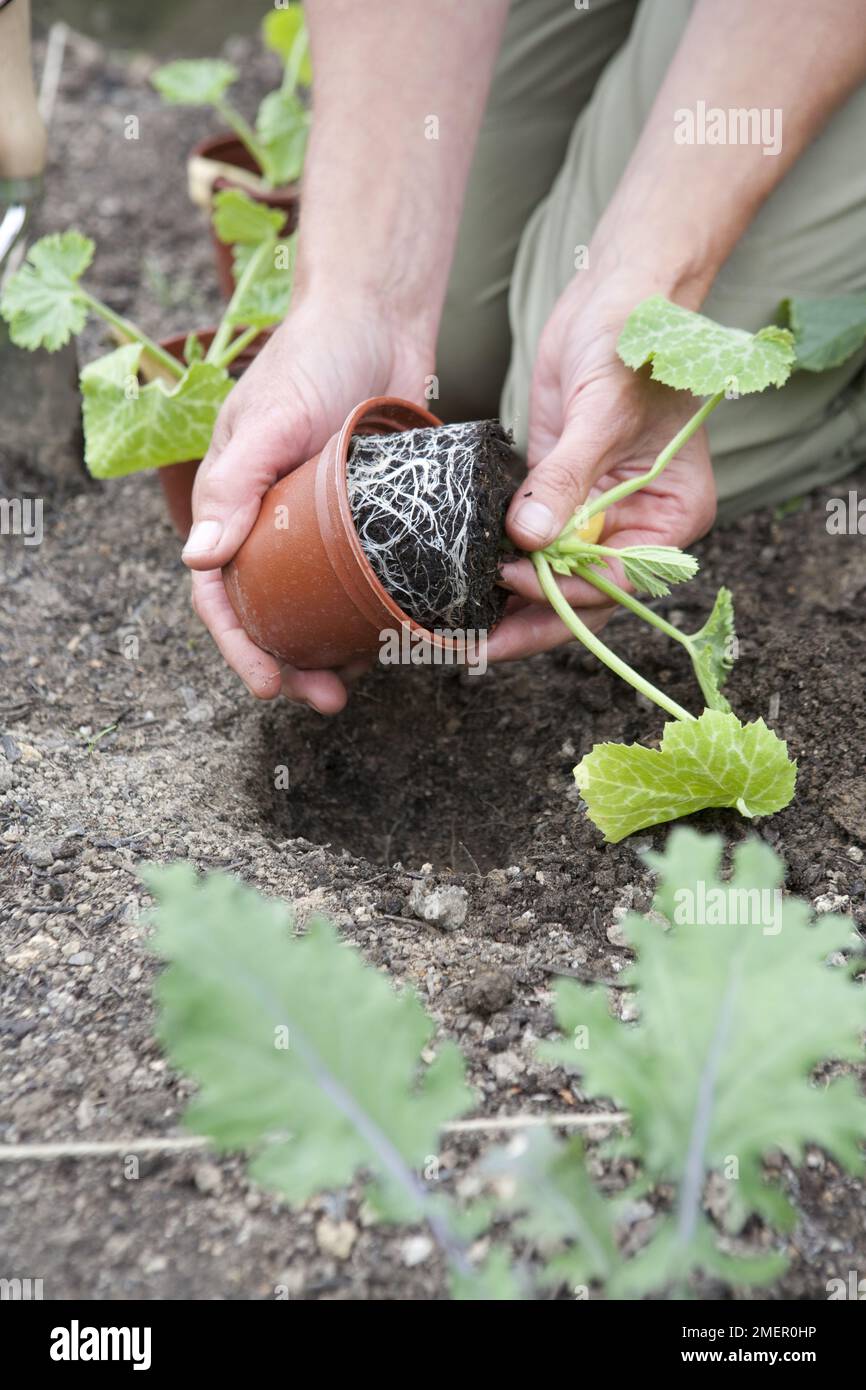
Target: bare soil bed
{"type": "Point", "coordinates": [126, 739]}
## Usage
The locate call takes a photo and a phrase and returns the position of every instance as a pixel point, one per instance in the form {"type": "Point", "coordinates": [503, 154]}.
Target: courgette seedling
{"type": "Point", "coordinates": [278, 141]}
{"type": "Point", "coordinates": [712, 760]}
{"type": "Point", "coordinates": [129, 424]}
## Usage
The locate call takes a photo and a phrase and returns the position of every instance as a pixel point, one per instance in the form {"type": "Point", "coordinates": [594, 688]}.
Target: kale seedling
{"type": "Point", "coordinates": [713, 760]}
{"type": "Point", "coordinates": [128, 425]}
{"type": "Point", "coordinates": [279, 140]}
{"type": "Point", "coordinates": [307, 1058]}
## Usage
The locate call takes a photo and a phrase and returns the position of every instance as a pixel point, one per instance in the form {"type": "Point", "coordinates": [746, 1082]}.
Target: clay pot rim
{"type": "Point", "coordinates": [204, 149]}
{"type": "Point", "coordinates": [371, 408]}
{"type": "Point", "coordinates": [206, 335]}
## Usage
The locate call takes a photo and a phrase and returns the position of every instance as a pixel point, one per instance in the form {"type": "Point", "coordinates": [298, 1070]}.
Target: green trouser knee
{"type": "Point", "coordinates": [808, 239]}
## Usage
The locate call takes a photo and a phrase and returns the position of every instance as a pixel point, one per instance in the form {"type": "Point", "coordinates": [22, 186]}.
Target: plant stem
{"type": "Point", "coordinates": [245, 133]}
{"type": "Point", "coordinates": [129, 330]}
{"type": "Point", "coordinates": [237, 346]}
{"type": "Point", "coordinates": [222, 337]}
{"type": "Point", "coordinates": [563, 608]}
{"type": "Point", "coordinates": [292, 70]}
{"type": "Point", "coordinates": [628, 600]}
{"type": "Point", "coordinates": [616, 494]}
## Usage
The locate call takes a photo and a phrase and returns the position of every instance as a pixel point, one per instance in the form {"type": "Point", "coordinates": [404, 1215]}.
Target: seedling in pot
{"type": "Point", "coordinates": [277, 143]}
{"type": "Point", "coordinates": [128, 425]}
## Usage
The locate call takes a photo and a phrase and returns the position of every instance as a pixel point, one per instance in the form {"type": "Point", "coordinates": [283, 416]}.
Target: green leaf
{"type": "Point", "coordinates": [303, 1054]}
{"type": "Point", "coordinates": [194, 81]}
{"type": "Point", "coordinates": [653, 568]}
{"type": "Point", "coordinates": [650, 568]}
{"type": "Point", "coordinates": [692, 353]}
{"type": "Point", "coordinates": [265, 300]}
{"type": "Point", "coordinates": [557, 1202]}
{"type": "Point", "coordinates": [667, 1261]}
{"type": "Point", "coordinates": [495, 1281]}
{"type": "Point", "coordinates": [712, 650]}
{"type": "Point", "coordinates": [284, 33]}
{"type": "Point", "coordinates": [239, 219]}
{"type": "Point", "coordinates": [128, 426]}
{"type": "Point", "coordinates": [711, 761]}
{"type": "Point", "coordinates": [737, 1006]}
{"type": "Point", "coordinates": [282, 127]}
{"type": "Point", "coordinates": [826, 331]}
{"type": "Point", "coordinates": [43, 303]}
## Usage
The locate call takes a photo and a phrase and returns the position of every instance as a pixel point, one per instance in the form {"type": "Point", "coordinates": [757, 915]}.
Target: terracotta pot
{"type": "Point", "coordinates": [210, 169]}
{"type": "Point", "coordinates": [301, 584]}
{"type": "Point", "coordinates": [177, 479]}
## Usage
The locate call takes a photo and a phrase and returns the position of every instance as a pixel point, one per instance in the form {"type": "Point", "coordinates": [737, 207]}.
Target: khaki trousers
{"type": "Point", "coordinates": [571, 91]}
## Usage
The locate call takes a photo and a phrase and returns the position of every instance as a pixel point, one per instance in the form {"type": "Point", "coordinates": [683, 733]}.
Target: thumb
{"type": "Point", "coordinates": [228, 492]}
{"type": "Point", "coordinates": [552, 490]}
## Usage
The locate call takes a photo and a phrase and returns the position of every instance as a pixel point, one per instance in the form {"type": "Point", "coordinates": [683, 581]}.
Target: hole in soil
{"type": "Point", "coordinates": [424, 766]}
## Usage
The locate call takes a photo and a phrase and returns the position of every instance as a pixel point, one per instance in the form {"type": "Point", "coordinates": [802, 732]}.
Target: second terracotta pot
{"type": "Point", "coordinates": [177, 479]}
{"type": "Point", "coordinates": [225, 153]}
{"type": "Point", "coordinates": [301, 585]}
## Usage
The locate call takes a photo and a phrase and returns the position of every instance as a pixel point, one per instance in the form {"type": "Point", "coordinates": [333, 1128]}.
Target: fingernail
{"type": "Point", "coordinates": [203, 537]}
{"type": "Point", "coordinates": [534, 519]}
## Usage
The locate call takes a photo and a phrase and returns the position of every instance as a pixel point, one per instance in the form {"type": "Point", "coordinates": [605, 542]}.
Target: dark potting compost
{"type": "Point", "coordinates": [429, 508]}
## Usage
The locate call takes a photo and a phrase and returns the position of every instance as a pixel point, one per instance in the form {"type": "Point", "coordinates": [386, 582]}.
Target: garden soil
{"type": "Point", "coordinates": [126, 739]}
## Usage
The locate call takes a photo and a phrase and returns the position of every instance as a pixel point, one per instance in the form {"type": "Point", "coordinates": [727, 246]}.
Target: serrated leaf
{"type": "Point", "coordinates": [284, 33]}
{"type": "Point", "coordinates": [283, 127]}
{"type": "Point", "coordinates": [826, 331]}
{"type": "Point", "coordinates": [43, 303]}
{"type": "Point", "coordinates": [557, 1202]}
{"type": "Point", "coordinates": [264, 300]}
{"type": "Point", "coordinates": [737, 1006]}
{"type": "Point", "coordinates": [194, 81]}
{"type": "Point", "coordinates": [561, 566]}
{"type": "Point", "coordinates": [712, 650]}
{"type": "Point", "coordinates": [665, 1262]}
{"type": "Point", "coordinates": [347, 1091]}
{"type": "Point", "coordinates": [128, 426]}
{"type": "Point", "coordinates": [495, 1281]}
{"type": "Point", "coordinates": [237, 218]}
{"type": "Point", "coordinates": [653, 568]}
{"type": "Point", "coordinates": [692, 353]}
{"type": "Point", "coordinates": [712, 761]}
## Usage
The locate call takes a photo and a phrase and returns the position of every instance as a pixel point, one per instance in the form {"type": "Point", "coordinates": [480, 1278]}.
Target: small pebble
{"type": "Point", "coordinates": [489, 991]}
{"type": "Point", "coordinates": [336, 1238]}
{"type": "Point", "coordinates": [416, 1250]}
{"type": "Point", "coordinates": [445, 907]}
{"type": "Point", "coordinates": [207, 1178]}
{"type": "Point", "coordinates": [39, 855]}
{"type": "Point", "coordinates": [616, 936]}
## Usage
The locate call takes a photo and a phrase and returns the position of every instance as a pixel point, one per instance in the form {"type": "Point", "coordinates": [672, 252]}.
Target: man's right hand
{"type": "Point", "coordinates": [323, 360]}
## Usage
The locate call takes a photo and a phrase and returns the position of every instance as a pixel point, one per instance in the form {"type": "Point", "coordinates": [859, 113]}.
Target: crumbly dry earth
{"type": "Point", "coordinates": [125, 739]}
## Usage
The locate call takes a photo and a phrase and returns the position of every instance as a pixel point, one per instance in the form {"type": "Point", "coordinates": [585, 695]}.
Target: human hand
{"type": "Point", "coordinates": [325, 357]}
{"type": "Point", "coordinates": [595, 423]}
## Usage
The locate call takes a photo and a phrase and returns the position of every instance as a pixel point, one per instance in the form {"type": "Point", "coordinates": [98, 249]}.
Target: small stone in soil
{"type": "Point", "coordinates": [488, 992]}
{"type": "Point", "coordinates": [445, 907]}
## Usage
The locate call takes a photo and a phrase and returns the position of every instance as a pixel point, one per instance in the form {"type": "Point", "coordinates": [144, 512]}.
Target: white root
{"type": "Point", "coordinates": [412, 497]}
